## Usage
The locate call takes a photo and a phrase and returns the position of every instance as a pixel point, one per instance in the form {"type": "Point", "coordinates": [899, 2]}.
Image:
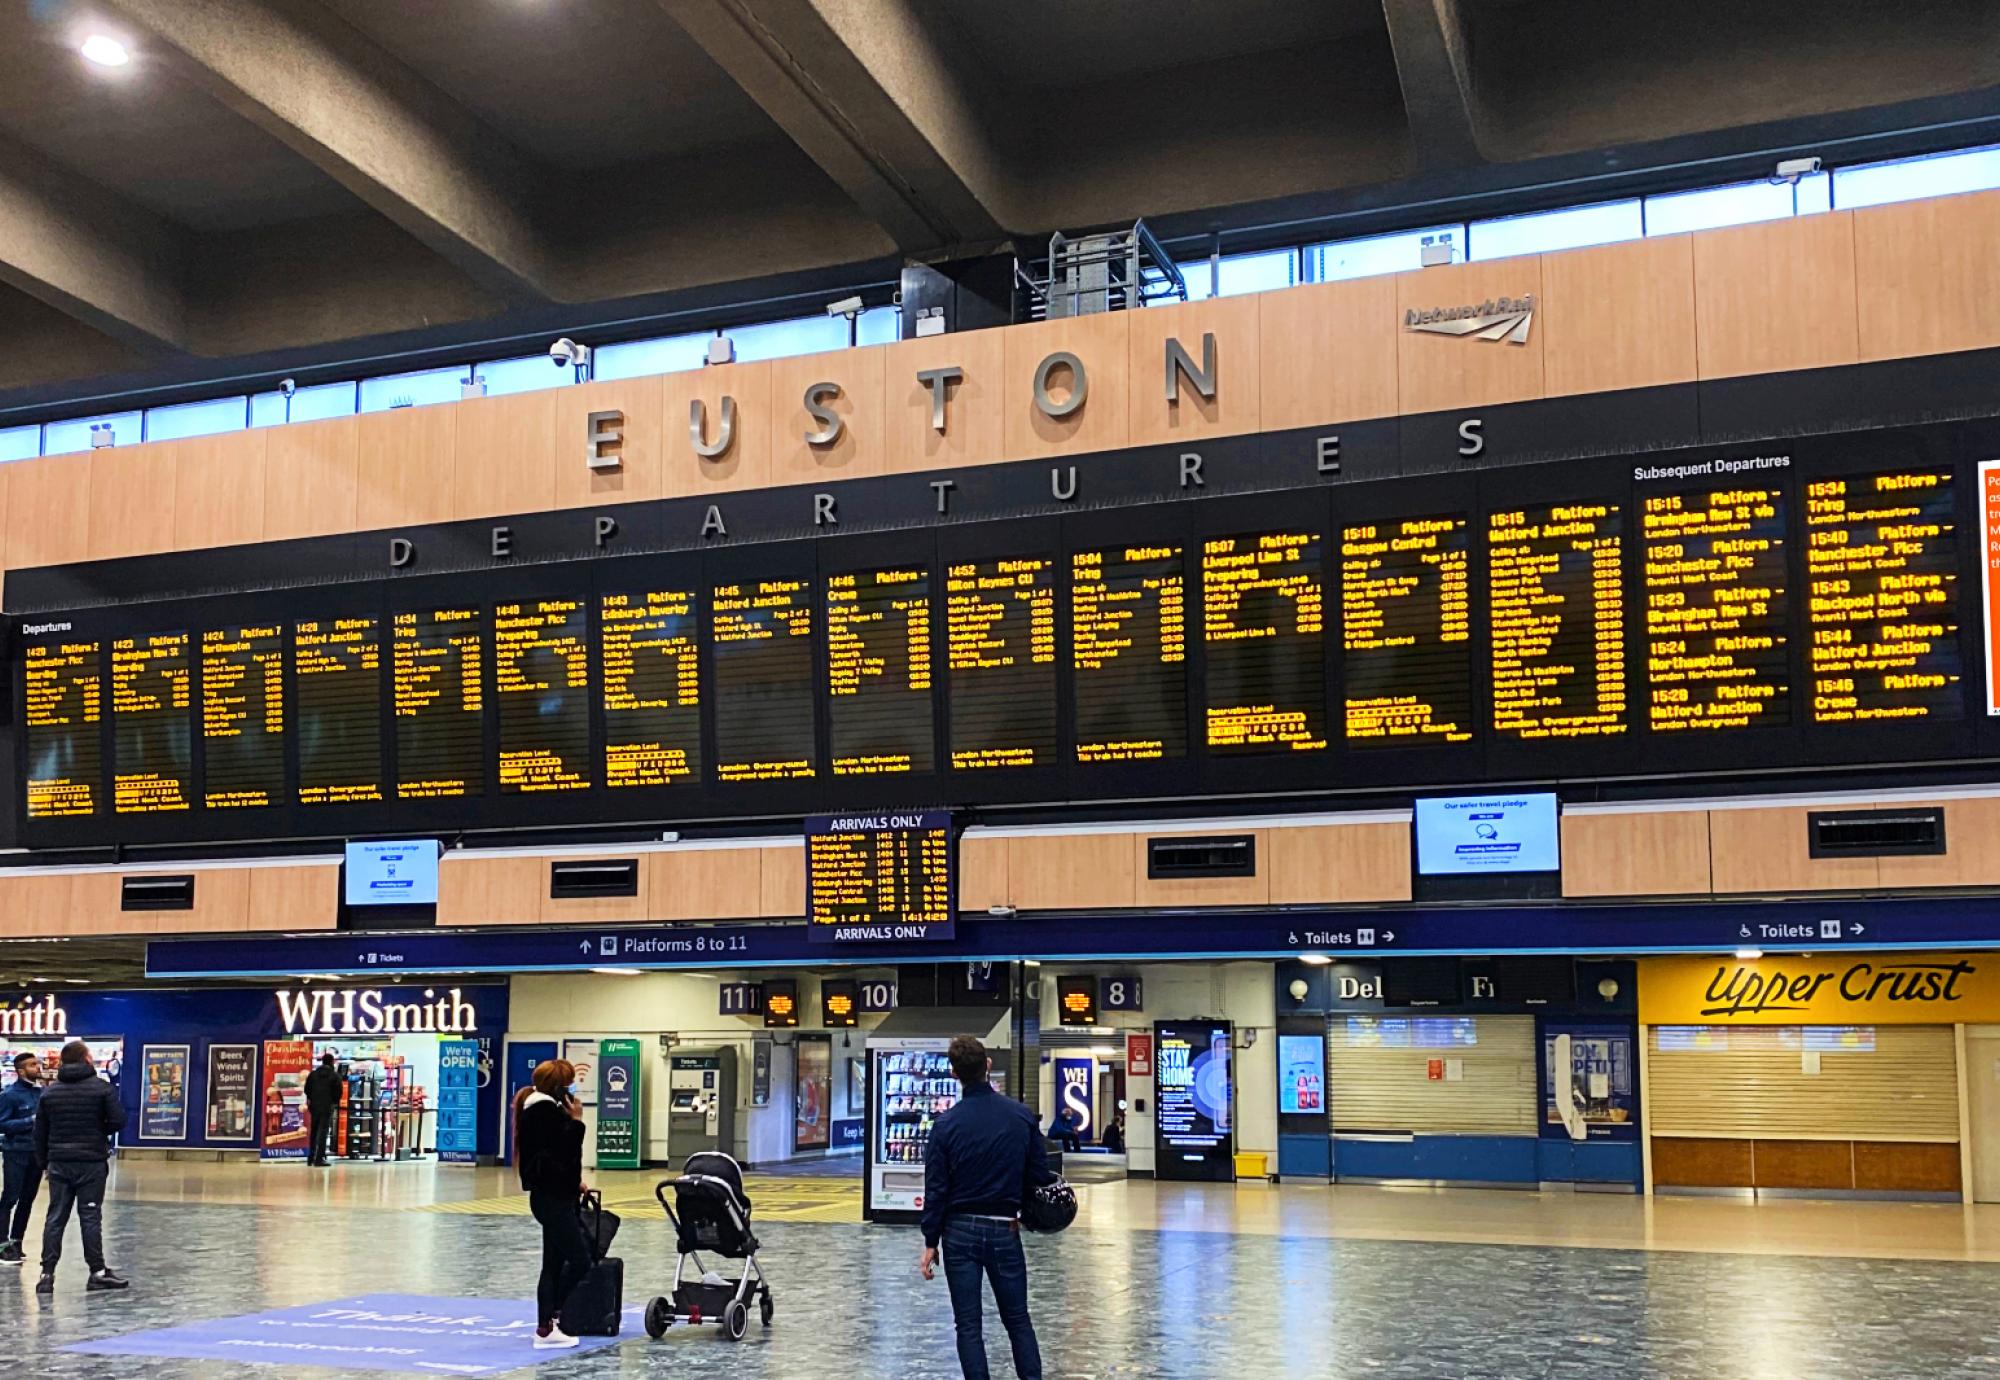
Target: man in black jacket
{"type": "Point", "coordinates": [982, 1154]}
{"type": "Point", "coordinates": [322, 1097]}
{"type": "Point", "coordinates": [73, 1128]}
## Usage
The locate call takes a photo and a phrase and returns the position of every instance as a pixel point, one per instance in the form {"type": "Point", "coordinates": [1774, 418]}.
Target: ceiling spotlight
{"type": "Point", "coordinates": [1749, 955]}
{"type": "Point", "coordinates": [618, 972]}
{"type": "Point", "coordinates": [105, 51]}
{"type": "Point", "coordinates": [1315, 960]}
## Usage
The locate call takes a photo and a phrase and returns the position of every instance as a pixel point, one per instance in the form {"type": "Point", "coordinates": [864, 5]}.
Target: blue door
{"type": "Point", "coordinates": [521, 1060]}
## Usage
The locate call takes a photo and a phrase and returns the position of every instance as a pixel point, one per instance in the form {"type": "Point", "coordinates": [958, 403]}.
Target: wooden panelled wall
{"type": "Point", "coordinates": [1760, 850]}
{"type": "Point", "coordinates": [1842, 288]}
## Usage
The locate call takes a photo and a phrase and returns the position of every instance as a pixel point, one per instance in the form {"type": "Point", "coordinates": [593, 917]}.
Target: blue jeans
{"type": "Point", "coordinates": [976, 1246]}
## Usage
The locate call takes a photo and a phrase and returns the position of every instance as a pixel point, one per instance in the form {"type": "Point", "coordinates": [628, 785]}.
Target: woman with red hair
{"type": "Point", "coordinates": [548, 1145]}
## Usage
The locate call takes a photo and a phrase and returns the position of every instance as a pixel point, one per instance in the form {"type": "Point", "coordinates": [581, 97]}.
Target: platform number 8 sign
{"type": "Point", "coordinates": [1119, 994]}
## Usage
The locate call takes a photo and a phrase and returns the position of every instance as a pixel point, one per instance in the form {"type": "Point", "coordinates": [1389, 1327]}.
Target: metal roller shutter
{"type": "Point", "coordinates": [1884, 1083]}
{"type": "Point", "coordinates": [1378, 1071]}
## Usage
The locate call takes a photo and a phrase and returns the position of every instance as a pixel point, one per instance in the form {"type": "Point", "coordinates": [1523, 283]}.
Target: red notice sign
{"type": "Point", "coordinates": [1138, 1056]}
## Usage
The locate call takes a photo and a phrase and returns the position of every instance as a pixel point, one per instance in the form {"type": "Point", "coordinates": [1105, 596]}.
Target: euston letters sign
{"type": "Point", "coordinates": [1826, 989]}
{"type": "Point", "coordinates": [373, 1011]}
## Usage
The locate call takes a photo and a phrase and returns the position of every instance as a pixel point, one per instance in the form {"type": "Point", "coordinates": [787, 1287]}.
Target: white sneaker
{"type": "Point", "coordinates": [557, 1340]}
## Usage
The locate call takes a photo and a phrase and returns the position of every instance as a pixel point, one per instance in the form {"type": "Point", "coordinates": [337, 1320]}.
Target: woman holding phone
{"type": "Point", "coordinates": [548, 1141]}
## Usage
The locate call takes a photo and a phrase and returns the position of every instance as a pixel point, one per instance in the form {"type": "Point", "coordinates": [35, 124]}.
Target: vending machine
{"type": "Point", "coordinates": [910, 1085]}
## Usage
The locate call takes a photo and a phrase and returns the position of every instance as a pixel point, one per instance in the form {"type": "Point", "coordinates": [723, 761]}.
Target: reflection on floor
{"type": "Point", "coordinates": [1155, 1280]}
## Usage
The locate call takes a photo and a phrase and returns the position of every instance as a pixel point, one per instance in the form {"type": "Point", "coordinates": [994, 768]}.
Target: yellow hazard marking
{"type": "Point", "coordinates": [773, 1199]}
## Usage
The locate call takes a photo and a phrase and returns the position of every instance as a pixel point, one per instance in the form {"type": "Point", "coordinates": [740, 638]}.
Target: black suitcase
{"type": "Point", "coordinates": [594, 1306]}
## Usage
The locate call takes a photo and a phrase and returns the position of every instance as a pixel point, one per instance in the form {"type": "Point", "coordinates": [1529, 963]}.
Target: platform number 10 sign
{"type": "Point", "coordinates": [1119, 994]}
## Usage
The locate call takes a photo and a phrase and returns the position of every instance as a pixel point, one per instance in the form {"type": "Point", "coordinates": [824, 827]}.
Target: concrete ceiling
{"type": "Point", "coordinates": [280, 186]}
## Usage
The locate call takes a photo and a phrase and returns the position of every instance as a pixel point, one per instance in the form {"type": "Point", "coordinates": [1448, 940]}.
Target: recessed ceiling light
{"type": "Point", "coordinates": [1749, 955]}
{"type": "Point", "coordinates": [105, 51]}
{"type": "Point", "coordinates": [618, 972]}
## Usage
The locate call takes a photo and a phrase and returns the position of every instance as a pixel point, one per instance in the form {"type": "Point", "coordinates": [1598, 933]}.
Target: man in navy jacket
{"type": "Point", "coordinates": [982, 1153]}
{"type": "Point", "coordinates": [20, 1172]}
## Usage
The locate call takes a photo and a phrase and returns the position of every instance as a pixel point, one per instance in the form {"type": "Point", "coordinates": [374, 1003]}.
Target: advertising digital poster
{"type": "Point", "coordinates": [1464, 835]}
{"type": "Point", "coordinates": [286, 1131]}
{"type": "Point", "coordinates": [163, 1108]}
{"type": "Point", "coordinates": [232, 1093]}
{"type": "Point", "coordinates": [1076, 1091]}
{"type": "Point", "coordinates": [618, 1104]}
{"type": "Point", "coordinates": [1302, 1075]}
{"type": "Point", "coordinates": [1192, 1093]}
{"type": "Point", "coordinates": [812, 1098]}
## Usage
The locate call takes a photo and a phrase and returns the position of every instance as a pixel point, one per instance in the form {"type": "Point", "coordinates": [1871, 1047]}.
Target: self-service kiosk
{"type": "Point", "coordinates": [701, 1101]}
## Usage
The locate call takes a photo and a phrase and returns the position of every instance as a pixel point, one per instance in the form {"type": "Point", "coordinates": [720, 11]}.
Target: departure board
{"type": "Point", "coordinates": [337, 678]}
{"type": "Point", "coordinates": [64, 714]}
{"type": "Point", "coordinates": [541, 689]}
{"type": "Point", "coordinates": [243, 716]}
{"type": "Point", "coordinates": [878, 671]}
{"type": "Point", "coordinates": [1406, 631]}
{"type": "Point", "coordinates": [652, 687]}
{"type": "Point", "coordinates": [1557, 621]}
{"type": "Point", "coordinates": [1717, 653]}
{"type": "Point", "coordinates": [1263, 628]}
{"type": "Point", "coordinates": [152, 749]}
{"type": "Point", "coordinates": [885, 876]}
{"type": "Point", "coordinates": [1000, 638]}
{"type": "Point", "coordinates": [762, 632]}
{"type": "Point", "coordinates": [437, 677]}
{"type": "Point", "coordinates": [1128, 652]}
{"type": "Point", "coordinates": [1882, 566]}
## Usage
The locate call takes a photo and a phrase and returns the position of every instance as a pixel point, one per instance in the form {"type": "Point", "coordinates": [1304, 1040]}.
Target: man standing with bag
{"type": "Point", "coordinates": [322, 1098]}
{"type": "Point", "coordinates": [983, 1153]}
{"type": "Point", "coordinates": [73, 1129]}
{"type": "Point", "coordinates": [20, 1176]}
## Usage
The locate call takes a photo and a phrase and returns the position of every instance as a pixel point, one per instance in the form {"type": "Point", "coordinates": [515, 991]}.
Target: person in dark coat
{"type": "Point", "coordinates": [322, 1098]}
{"type": "Point", "coordinates": [20, 1176]}
{"type": "Point", "coordinates": [74, 1125]}
{"type": "Point", "coordinates": [548, 1144]}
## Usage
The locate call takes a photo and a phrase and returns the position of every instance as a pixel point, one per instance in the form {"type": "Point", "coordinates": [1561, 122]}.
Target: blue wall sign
{"type": "Point", "coordinates": [1076, 1091]}
{"type": "Point", "coordinates": [458, 1101]}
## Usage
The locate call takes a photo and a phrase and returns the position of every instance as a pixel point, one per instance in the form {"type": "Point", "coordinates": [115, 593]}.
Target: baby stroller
{"type": "Point", "coordinates": [713, 1216]}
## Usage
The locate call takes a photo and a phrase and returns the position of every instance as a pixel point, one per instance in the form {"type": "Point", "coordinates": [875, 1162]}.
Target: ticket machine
{"type": "Point", "coordinates": [701, 1101]}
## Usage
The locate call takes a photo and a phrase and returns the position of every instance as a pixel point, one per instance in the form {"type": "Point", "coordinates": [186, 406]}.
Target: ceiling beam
{"type": "Point", "coordinates": [862, 87]}
{"type": "Point", "coordinates": [370, 123]}
{"type": "Point", "coordinates": [89, 254]}
{"type": "Point", "coordinates": [1435, 69]}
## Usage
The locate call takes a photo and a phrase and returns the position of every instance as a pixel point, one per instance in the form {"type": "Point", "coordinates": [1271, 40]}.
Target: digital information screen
{"type": "Point", "coordinates": [1076, 1000]}
{"type": "Point", "coordinates": [64, 717]}
{"type": "Point", "coordinates": [839, 1003]}
{"type": "Point", "coordinates": [152, 731]}
{"type": "Point", "coordinates": [438, 681]}
{"type": "Point", "coordinates": [400, 873]}
{"type": "Point", "coordinates": [337, 675]}
{"type": "Point", "coordinates": [1128, 652]}
{"type": "Point", "coordinates": [781, 1002]}
{"type": "Point", "coordinates": [652, 688]}
{"type": "Point", "coordinates": [1263, 628]}
{"type": "Point", "coordinates": [1557, 621]}
{"type": "Point", "coordinates": [1463, 836]}
{"type": "Point", "coordinates": [881, 876]}
{"type": "Point", "coordinates": [763, 680]}
{"type": "Point", "coordinates": [243, 716]}
{"type": "Point", "coordinates": [1989, 576]}
{"type": "Point", "coordinates": [1882, 566]}
{"type": "Point", "coordinates": [541, 688]}
{"type": "Point", "coordinates": [1000, 648]}
{"type": "Point", "coordinates": [1716, 609]}
{"type": "Point", "coordinates": [1192, 1093]}
{"type": "Point", "coordinates": [1406, 631]}
{"type": "Point", "coordinates": [878, 671]}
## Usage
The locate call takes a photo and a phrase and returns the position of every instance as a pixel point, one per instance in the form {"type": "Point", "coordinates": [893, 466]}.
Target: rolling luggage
{"type": "Point", "coordinates": [593, 1306]}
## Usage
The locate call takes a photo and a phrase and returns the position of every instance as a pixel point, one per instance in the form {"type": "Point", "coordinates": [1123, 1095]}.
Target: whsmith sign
{"type": "Point", "coordinates": [1826, 989]}
{"type": "Point", "coordinates": [42, 1017]}
{"type": "Point", "coordinates": [374, 1011]}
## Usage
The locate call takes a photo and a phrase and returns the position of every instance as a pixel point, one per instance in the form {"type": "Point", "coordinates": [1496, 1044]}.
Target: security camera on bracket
{"type": "Point", "coordinates": [567, 352]}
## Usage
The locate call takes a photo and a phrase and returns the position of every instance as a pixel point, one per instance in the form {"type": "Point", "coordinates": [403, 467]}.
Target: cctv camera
{"type": "Point", "coordinates": [1792, 169]}
{"type": "Point", "coordinates": [567, 351]}
{"type": "Point", "coordinates": [846, 306]}
{"type": "Point", "coordinates": [287, 387]}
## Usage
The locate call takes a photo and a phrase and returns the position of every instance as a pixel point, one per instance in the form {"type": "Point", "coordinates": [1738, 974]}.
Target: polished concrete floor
{"type": "Point", "coordinates": [1155, 1280]}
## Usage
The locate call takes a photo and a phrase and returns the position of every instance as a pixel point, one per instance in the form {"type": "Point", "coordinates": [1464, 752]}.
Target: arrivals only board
{"type": "Point", "coordinates": [1791, 606]}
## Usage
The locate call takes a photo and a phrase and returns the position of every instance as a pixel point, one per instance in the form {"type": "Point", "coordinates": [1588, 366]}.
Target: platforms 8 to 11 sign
{"type": "Point", "coordinates": [887, 876]}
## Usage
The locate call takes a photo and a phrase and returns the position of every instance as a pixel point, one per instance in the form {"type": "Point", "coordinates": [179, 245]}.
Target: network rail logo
{"type": "Point", "coordinates": [1497, 318]}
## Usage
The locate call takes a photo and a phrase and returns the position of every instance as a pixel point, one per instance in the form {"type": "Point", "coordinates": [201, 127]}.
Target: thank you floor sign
{"type": "Point", "coordinates": [405, 1333]}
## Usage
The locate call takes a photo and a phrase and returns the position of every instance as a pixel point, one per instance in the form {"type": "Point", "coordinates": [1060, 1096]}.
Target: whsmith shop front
{"type": "Point", "coordinates": [1873, 1074]}
{"type": "Point", "coordinates": [222, 1071]}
